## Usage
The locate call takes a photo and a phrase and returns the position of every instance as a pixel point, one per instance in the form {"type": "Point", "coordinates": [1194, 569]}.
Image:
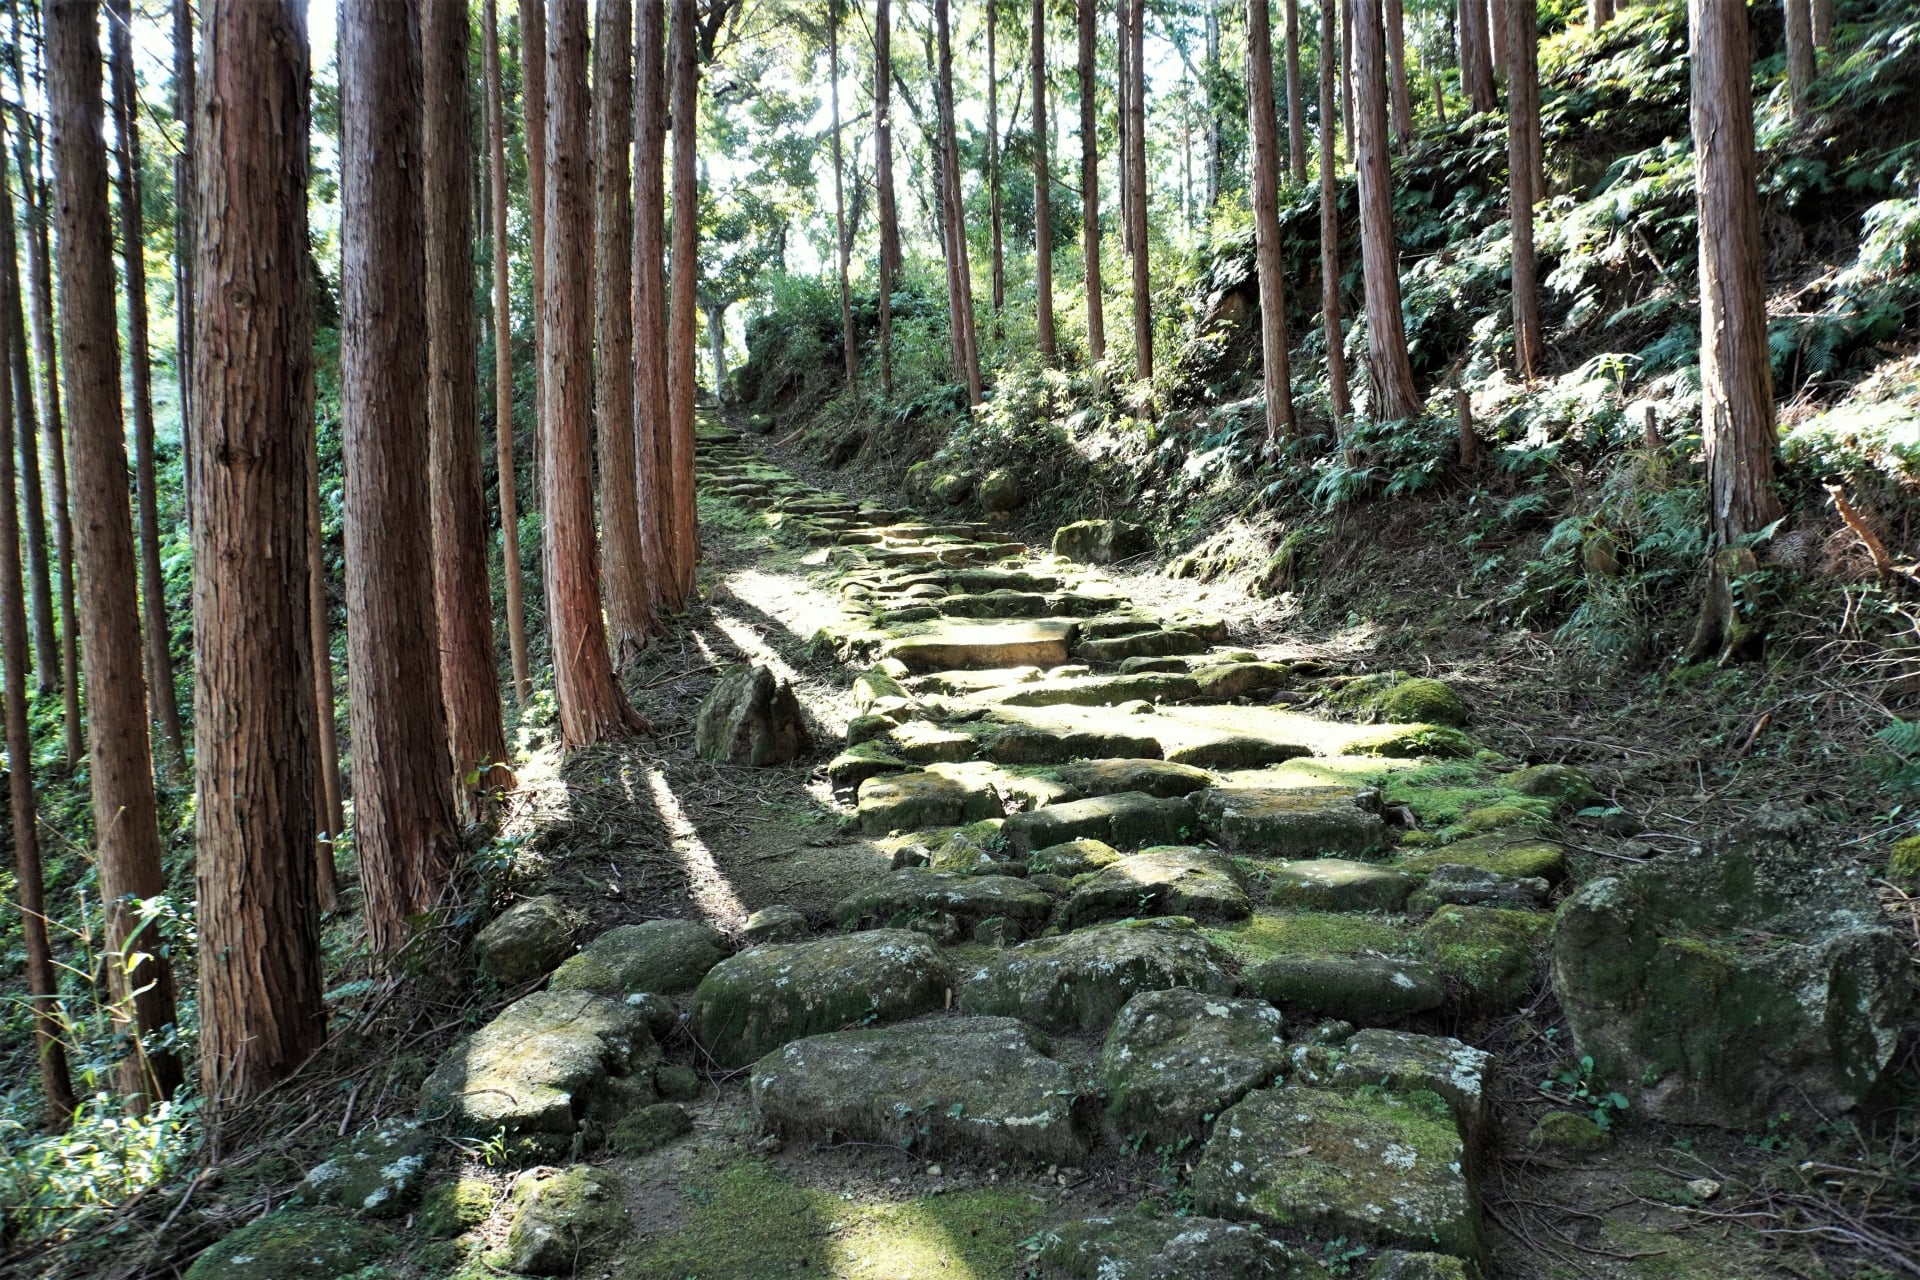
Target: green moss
{"type": "Point", "coordinates": [1509, 813]}
{"type": "Point", "coordinates": [1487, 950]}
{"type": "Point", "coordinates": [292, 1245]}
{"type": "Point", "coordinates": [1311, 933]}
{"type": "Point", "coordinates": [1508, 855]}
{"type": "Point", "coordinates": [649, 1129]}
{"type": "Point", "coordinates": [1414, 740]}
{"type": "Point", "coordinates": [748, 1222]}
{"type": "Point", "coordinates": [1903, 864]}
{"type": "Point", "coordinates": [453, 1207]}
{"type": "Point", "coordinates": [1422, 700]}
{"type": "Point", "coordinates": [1571, 1132]}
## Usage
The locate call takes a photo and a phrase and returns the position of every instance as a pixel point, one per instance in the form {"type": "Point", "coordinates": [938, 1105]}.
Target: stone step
{"type": "Point", "coordinates": [1079, 982]}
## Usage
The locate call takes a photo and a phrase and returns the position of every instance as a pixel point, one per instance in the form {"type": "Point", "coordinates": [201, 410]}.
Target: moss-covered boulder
{"type": "Point", "coordinates": [1162, 778]}
{"type": "Point", "coordinates": [1072, 858]}
{"type": "Point", "coordinates": [1564, 786]}
{"type": "Point", "coordinates": [562, 1217]}
{"type": "Point", "coordinates": [1489, 954]}
{"type": "Point", "coordinates": [640, 1132]}
{"type": "Point", "coordinates": [977, 848]}
{"type": "Point", "coordinates": [1361, 989]}
{"type": "Point", "coordinates": [1405, 1063]}
{"type": "Point", "coordinates": [525, 941]}
{"type": "Point", "coordinates": [1454, 884]}
{"type": "Point", "coordinates": [751, 718]}
{"type": "Point", "coordinates": [1371, 1165]}
{"type": "Point", "coordinates": [983, 1087]}
{"type": "Point", "coordinates": [378, 1174]}
{"type": "Point", "coordinates": [538, 1066]}
{"type": "Point", "coordinates": [665, 957]}
{"type": "Point", "coordinates": [1100, 541]}
{"type": "Point", "coordinates": [1517, 855]}
{"type": "Point", "coordinates": [926, 798]}
{"type": "Point", "coordinates": [1159, 643]}
{"type": "Point", "coordinates": [763, 998]}
{"type": "Point", "coordinates": [1143, 1246]}
{"type": "Point", "coordinates": [1421, 700]}
{"type": "Point", "coordinates": [776, 923]}
{"type": "Point", "coordinates": [1080, 981]}
{"type": "Point", "coordinates": [1223, 682]}
{"type": "Point", "coordinates": [293, 1244]}
{"type": "Point", "coordinates": [1715, 987]}
{"type": "Point", "coordinates": [1175, 1059]}
{"type": "Point", "coordinates": [1292, 822]}
{"type": "Point", "coordinates": [944, 904]}
{"type": "Point", "coordinates": [1571, 1133]}
{"type": "Point", "coordinates": [455, 1208]}
{"type": "Point", "coordinates": [1168, 880]}
{"type": "Point", "coordinates": [1125, 820]}
{"type": "Point", "coordinates": [864, 760]}
{"type": "Point", "coordinates": [950, 487]}
{"type": "Point", "coordinates": [1246, 750]}
{"type": "Point", "coordinates": [1336, 884]}
{"type": "Point", "coordinates": [1001, 491]}
{"type": "Point", "coordinates": [1399, 1264]}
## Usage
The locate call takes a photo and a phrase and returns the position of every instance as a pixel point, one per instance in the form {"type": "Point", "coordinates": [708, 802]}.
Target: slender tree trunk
{"type": "Point", "coordinates": [1042, 191]}
{"type": "Point", "coordinates": [843, 241]}
{"type": "Point", "coordinates": [592, 707]}
{"type": "Point", "coordinates": [1800, 43]}
{"type": "Point", "coordinates": [1215, 130]}
{"type": "Point", "coordinates": [402, 775]}
{"type": "Point", "coordinates": [254, 817]}
{"type": "Point", "coordinates": [1402, 98]}
{"type": "Point", "coordinates": [462, 593]}
{"type": "Point", "coordinates": [1088, 16]}
{"type": "Point", "coordinates": [1137, 184]}
{"type": "Point", "coordinates": [54, 458]}
{"type": "Point", "coordinates": [333, 814]}
{"type": "Point", "coordinates": [1476, 57]}
{"type": "Point", "coordinates": [1599, 13]}
{"type": "Point", "coordinates": [1266, 221]}
{"type": "Point", "coordinates": [509, 496]}
{"type": "Point", "coordinates": [1123, 122]}
{"type": "Point", "coordinates": [184, 185]}
{"type": "Point", "coordinates": [717, 338]}
{"type": "Point", "coordinates": [1523, 185]}
{"type": "Point", "coordinates": [49, 668]}
{"type": "Point", "coordinates": [1296, 114]}
{"type": "Point", "coordinates": [1391, 372]}
{"type": "Point", "coordinates": [56, 1084]}
{"type": "Point", "coordinates": [622, 557]}
{"type": "Point", "coordinates": [685, 74]}
{"type": "Point", "coordinates": [653, 427]}
{"type": "Point", "coordinates": [165, 707]}
{"type": "Point", "coordinates": [995, 219]}
{"type": "Point", "coordinates": [883, 180]}
{"type": "Point", "coordinates": [1346, 74]}
{"type": "Point", "coordinates": [1736, 382]}
{"type": "Point", "coordinates": [533, 124]}
{"type": "Point", "coordinates": [126, 820]}
{"type": "Point", "coordinates": [959, 273]}
{"type": "Point", "coordinates": [1330, 232]}
{"type": "Point", "coordinates": [1497, 29]}
{"type": "Point", "coordinates": [1439, 98]}
{"type": "Point", "coordinates": [1823, 24]}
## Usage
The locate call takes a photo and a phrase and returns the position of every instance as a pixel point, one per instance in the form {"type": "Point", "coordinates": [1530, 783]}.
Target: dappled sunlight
{"type": "Point", "coordinates": [708, 887]}
{"type": "Point", "coordinates": [752, 647]}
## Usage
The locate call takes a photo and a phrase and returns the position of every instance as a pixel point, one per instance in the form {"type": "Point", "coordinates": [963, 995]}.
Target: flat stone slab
{"type": "Point", "coordinates": [944, 904]}
{"type": "Point", "coordinates": [761, 999]}
{"type": "Point", "coordinates": [1169, 880]}
{"type": "Point", "coordinates": [1150, 777]}
{"type": "Point", "coordinates": [1073, 858]}
{"type": "Point", "coordinates": [665, 957]}
{"type": "Point", "coordinates": [1024, 744]}
{"type": "Point", "coordinates": [1376, 1166]}
{"type": "Point", "coordinates": [1080, 981]}
{"type": "Point", "coordinates": [1134, 1246]}
{"type": "Point", "coordinates": [1127, 819]}
{"type": "Point", "coordinates": [1405, 1062]}
{"type": "Point", "coordinates": [1292, 822]}
{"type": "Point", "coordinates": [957, 646]}
{"type": "Point", "coordinates": [1141, 644]}
{"type": "Point", "coordinates": [1506, 853]}
{"type": "Point", "coordinates": [1239, 751]}
{"type": "Point", "coordinates": [536, 1067]}
{"type": "Point", "coordinates": [972, 1086]}
{"type": "Point", "coordinates": [909, 801]}
{"type": "Point", "coordinates": [997, 604]}
{"type": "Point", "coordinates": [1098, 691]}
{"type": "Point", "coordinates": [863, 760]}
{"type": "Point", "coordinates": [1338, 884]}
{"type": "Point", "coordinates": [1356, 988]}
{"type": "Point", "coordinates": [1175, 1059]}
{"type": "Point", "coordinates": [923, 742]}
{"type": "Point", "coordinates": [1225, 681]}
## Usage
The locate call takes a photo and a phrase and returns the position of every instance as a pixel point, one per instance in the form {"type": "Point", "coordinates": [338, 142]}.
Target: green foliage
{"type": "Point", "coordinates": [1576, 1083]}
{"type": "Point", "coordinates": [55, 1183]}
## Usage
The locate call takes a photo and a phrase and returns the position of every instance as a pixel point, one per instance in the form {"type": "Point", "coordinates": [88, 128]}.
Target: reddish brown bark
{"type": "Point", "coordinates": [184, 183]}
{"type": "Point", "coordinates": [1524, 182]}
{"type": "Point", "coordinates": [850, 348]}
{"type": "Point", "coordinates": [1330, 232]}
{"type": "Point", "coordinates": [1042, 191]}
{"type": "Point", "coordinates": [1476, 57]}
{"type": "Point", "coordinates": [1296, 115]}
{"type": "Point", "coordinates": [43, 657]}
{"type": "Point", "coordinates": [1391, 372]}
{"type": "Point", "coordinates": [1401, 96]}
{"type": "Point", "coordinates": [509, 498]}
{"type": "Point", "coordinates": [1266, 221]}
{"type": "Point", "coordinates": [883, 181]}
{"type": "Point", "coordinates": [959, 274]}
{"type": "Point", "coordinates": [685, 78]}
{"type": "Point", "coordinates": [1800, 43]}
{"type": "Point", "coordinates": [533, 124]}
{"type": "Point", "coordinates": [261, 1012]}
{"type": "Point", "coordinates": [140, 976]}
{"type": "Point", "coordinates": [653, 419]}
{"type": "Point", "coordinates": [1090, 179]}
{"type": "Point", "coordinates": [997, 264]}
{"type": "Point", "coordinates": [404, 828]}
{"type": "Point", "coordinates": [1136, 169]}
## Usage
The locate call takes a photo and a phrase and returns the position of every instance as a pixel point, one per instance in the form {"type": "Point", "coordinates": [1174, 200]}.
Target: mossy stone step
{"type": "Point", "coordinates": [997, 604]}
{"type": "Point", "coordinates": [665, 957]}
{"type": "Point", "coordinates": [1373, 1165]}
{"type": "Point", "coordinates": [928, 798]}
{"type": "Point", "coordinates": [1405, 1062]}
{"type": "Point", "coordinates": [983, 1087]}
{"type": "Point", "coordinates": [1170, 880]}
{"type": "Point", "coordinates": [1177, 1058]}
{"type": "Point", "coordinates": [1080, 981]}
{"type": "Point", "coordinates": [947, 905]}
{"type": "Point", "coordinates": [1360, 989]}
{"type": "Point", "coordinates": [861, 761]}
{"type": "Point", "coordinates": [1137, 1246]}
{"type": "Point", "coordinates": [957, 646]}
{"type": "Point", "coordinates": [1127, 819]}
{"type": "Point", "coordinates": [1095, 691]}
{"type": "Point", "coordinates": [1142, 644]}
{"type": "Point", "coordinates": [1223, 682]}
{"type": "Point", "coordinates": [1337, 884]}
{"type": "Point", "coordinates": [1026, 744]}
{"type": "Point", "coordinates": [1517, 854]}
{"type": "Point", "coordinates": [760, 999]}
{"type": "Point", "coordinates": [1292, 821]}
{"type": "Point", "coordinates": [1151, 777]}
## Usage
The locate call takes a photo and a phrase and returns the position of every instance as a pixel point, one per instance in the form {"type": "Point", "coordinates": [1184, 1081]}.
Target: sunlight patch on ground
{"type": "Point", "coordinates": [710, 890]}
{"type": "Point", "coordinates": [749, 643]}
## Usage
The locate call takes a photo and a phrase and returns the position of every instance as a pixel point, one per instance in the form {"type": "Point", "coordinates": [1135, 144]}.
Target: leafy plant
{"type": "Point", "coordinates": [1576, 1083]}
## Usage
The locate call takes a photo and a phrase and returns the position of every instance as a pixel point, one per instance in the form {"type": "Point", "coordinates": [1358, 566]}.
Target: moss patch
{"type": "Point", "coordinates": [292, 1245]}
{"type": "Point", "coordinates": [1311, 933]}
{"type": "Point", "coordinates": [1487, 950]}
{"type": "Point", "coordinates": [453, 1207]}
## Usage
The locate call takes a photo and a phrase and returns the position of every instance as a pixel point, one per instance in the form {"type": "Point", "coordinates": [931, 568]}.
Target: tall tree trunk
{"type": "Point", "coordinates": [165, 706]}
{"type": "Point", "coordinates": [1390, 370]}
{"type": "Point", "coordinates": [959, 273]}
{"type": "Point", "coordinates": [126, 819]}
{"type": "Point", "coordinates": [404, 827]}
{"type": "Point", "coordinates": [462, 593]}
{"type": "Point", "coordinates": [47, 665]}
{"type": "Point", "coordinates": [1402, 97]}
{"type": "Point", "coordinates": [1523, 185]}
{"type": "Point", "coordinates": [533, 125]}
{"type": "Point", "coordinates": [56, 1083]}
{"type": "Point", "coordinates": [883, 180]}
{"type": "Point", "coordinates": [53, 460]}
{"type": "Point", "coordinates": [184, 184]}
{"type": "Point", "coordinates": [254, 815]}
{"type": "Point", "coordinates": [685, 75]}
{"type": "Point", "coordinates": [1736, 381]}
{"type": "Point", "coordinates": [1800, 68]}
{"type": "Point", "coordinates": [717, 338]}
{"type": "Point", "coordinates": [1137, 185]}
{"type": "Point", "coordinates": [1497, 30]}
{"type": "Point", "coordinates": [997, 275]}
{"type": "Point", "coordinates": [592, 707]}
{"type": "Point", "coordinates": [1042, 191]}
{"type": "Point", "coordinates": [1215, 127]}
{"type": "Point", "coordinates": [1599, 13]}
{"type": "Point", "coordinates": [1296, 114]}
{"type": "Point", "coordinates": [652, 416]}
{"type": "Point", "coordinates": [326, 747]}
{"type": "Point", "coordinates": [1330, 232]}
{"type": "Point", "coordinates": [842, 238]}
{"type": "Point", "coordinates": [1266, 221]}
{"type": "Point", "coordinates": [509, 496]}
{"type": "Point", "coordinates": [623, 565]}
{"type": "Point", "coordinates": [1123, 121]}
{"type": "Point", "coordinates": [1823, 24]}
{"type": "Point", "coordinates": [1346, 75]}
{"type": "Point", "coordinates": [1476, 57]}
{"type": "Point", "coordinates": [1088, 16]}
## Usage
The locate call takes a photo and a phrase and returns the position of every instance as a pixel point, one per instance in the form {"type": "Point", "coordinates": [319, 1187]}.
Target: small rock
{"type": "Point", "coordinates": [649, 1129]}
{"type": "Point", "coordinates": [1703, 1189]}
{"type": "Point", "coordinates": [561, 1217]}
{"type": "Point", "coordinates": [1570, 1133]}
{"type": "Point", "coordinates": [1100, 541]}
{"type": "Point", "coordinates": [660, 956]}
{"type": "Point", "coordinates": [934, 1171]}
{"type": "Point", "coordinates": [1000, 491]}
{"type": "Point", "coordinates": [676, 1083]}
{"type": "Point", "coordinates": [379, 1173]}
{"type": "Point", "coordinates": [525, 941]}
{"type": "Point", "coordinates": [751, 718]}
{"type": "Point", "coordinates": [777, 923]}
{"type": "Point", "coordinates": [454, 1208]}
{"type": "Point", "coordinates": [1567, 787]}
